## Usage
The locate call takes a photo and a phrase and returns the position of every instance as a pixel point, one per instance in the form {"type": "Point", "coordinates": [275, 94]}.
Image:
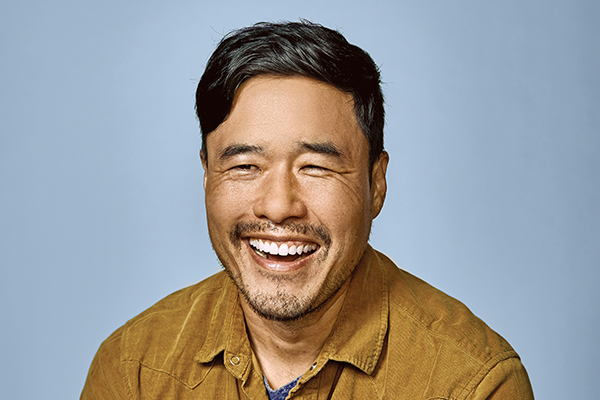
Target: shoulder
{"type": "Point", "coordinates": [183, 317]}
{"type": "Point", "coordinates": [439, 315]}
{"type": "Point", "coordinates": [186, 312]}
{"type": "Point", "coordinates": [161, 342]}
{"type": "Point", "coordinates": [433, 335]}
{"type": "Point", "coordinates": [180, 302]}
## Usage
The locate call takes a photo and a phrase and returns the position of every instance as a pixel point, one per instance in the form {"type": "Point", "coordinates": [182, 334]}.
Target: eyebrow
{"type": "Point", "coordinates": [236, 149]}
{"type": "Point", "coordinates": [327, 148]}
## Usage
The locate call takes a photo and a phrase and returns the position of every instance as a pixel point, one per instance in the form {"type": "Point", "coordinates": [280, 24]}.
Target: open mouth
{"type": "Point", "coordinates": [284, 252]}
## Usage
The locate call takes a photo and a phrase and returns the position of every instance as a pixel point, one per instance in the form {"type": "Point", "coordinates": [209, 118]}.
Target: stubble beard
{"type": "Point", "coordinates": [283, 306]}
{"type": "Point", "coordinates": [280, 305]}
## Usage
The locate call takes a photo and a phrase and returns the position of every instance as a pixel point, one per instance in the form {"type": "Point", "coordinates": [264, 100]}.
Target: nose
{"type": "Point", "coordinates": [280, 197]}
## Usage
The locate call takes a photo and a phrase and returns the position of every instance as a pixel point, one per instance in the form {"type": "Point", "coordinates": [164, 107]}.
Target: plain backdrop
{"type": "Point", "coordinates": [493, 124]}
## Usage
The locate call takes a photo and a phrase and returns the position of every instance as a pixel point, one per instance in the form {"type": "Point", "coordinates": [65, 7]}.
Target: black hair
{"type": "Point", "coordinates": [291, 49]}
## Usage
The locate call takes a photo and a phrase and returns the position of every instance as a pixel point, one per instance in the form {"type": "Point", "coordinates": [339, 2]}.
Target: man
{"type": "Point", "coordinates": [292, 148]}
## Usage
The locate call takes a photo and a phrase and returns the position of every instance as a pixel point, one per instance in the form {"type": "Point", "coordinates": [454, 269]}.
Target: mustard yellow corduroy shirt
{"type": "Point", "coordinates": [395, 338]}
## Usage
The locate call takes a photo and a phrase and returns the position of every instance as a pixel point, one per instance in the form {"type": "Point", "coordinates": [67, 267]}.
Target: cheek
{"type": "Point", "coordinates": [224, 199]}
{"type": "Point", "coordinates": [219, 213]}
{"type": "Point", "coordinates": [226, 204]}
{"type": "Point", "coordinates": [341, 206]}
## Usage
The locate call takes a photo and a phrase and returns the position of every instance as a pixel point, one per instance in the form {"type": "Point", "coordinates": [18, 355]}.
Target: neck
{"type": "Point", "coordinates": [286, 350]}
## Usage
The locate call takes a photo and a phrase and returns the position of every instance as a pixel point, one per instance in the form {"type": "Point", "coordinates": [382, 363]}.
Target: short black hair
{"type": "Point", "coordinates": [291, 49]}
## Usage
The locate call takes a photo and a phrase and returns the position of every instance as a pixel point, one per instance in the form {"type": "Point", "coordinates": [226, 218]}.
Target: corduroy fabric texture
{"type": "Point", "coordinates": [395, 338]}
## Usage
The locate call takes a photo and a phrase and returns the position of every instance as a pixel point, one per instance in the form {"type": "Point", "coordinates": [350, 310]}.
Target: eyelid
{"type": "Point", "coordinates": [244, 171]}
{"type": "Point", "coordinates": [245, 166]}
{"type": "Point", "coordinates": [313, 166]}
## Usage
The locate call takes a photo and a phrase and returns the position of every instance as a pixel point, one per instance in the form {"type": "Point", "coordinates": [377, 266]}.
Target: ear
{"type": "Point", "coordinates": [379, 183]}
{"type": "Point", "coordinates": [205, 167]}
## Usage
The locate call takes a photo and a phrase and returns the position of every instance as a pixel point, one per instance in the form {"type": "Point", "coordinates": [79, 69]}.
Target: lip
{"type": "Point", "coordinates": [278, 266]}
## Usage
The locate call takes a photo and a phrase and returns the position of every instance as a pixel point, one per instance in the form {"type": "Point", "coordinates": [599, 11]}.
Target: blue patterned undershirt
{"type": "Point", "coordinates": [282, 392]}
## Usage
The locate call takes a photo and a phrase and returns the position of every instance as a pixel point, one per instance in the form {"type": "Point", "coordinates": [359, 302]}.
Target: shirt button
{"type": "Point", "coordinates": [313, 366]}
{"type": "Point", "coordinates": [235, 360]}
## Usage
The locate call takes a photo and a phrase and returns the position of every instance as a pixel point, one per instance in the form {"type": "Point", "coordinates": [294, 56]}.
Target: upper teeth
{"type": "Point", "coordinates": [283, 249]}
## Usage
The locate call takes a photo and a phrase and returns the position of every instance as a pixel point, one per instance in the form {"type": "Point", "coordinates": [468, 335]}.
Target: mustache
{"type": "Point", "coordinates": [317, 232]}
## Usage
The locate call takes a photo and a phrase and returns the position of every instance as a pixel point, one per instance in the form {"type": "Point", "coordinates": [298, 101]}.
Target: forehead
{"type": "Point", "coordinates": [289, 109]}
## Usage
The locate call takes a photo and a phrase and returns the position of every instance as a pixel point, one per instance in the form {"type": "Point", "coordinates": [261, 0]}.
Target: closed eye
{"type": "Point", "coordinates": [246, 167]}
{"type": "Point", "coordinates": [315, 167]}
{"type": "Point", "coordinates": [316, 170]}
{"type": "Point", "coordinates": [244, 171]}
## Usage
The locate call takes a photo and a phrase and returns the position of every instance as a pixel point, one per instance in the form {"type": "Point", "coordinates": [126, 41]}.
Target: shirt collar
{"type": "Point", "coordinates": [357, 337]}
{"type": "Point", "coordinates": [359, 332]}
{"type": "Point", "coordinates": [227, 334]}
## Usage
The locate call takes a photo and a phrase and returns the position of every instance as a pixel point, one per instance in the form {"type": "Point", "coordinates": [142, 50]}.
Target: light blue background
{"type": "Point", "coordinates": [493, 129]}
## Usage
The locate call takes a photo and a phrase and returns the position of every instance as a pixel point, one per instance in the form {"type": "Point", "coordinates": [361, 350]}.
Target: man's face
{"type": "Point", "coordinates": [288, 199]}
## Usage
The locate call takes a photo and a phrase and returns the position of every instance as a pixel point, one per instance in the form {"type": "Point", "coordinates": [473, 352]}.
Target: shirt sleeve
{"type": "Point", "coordinates": [105, 378]}
{"type": "Point", "coordinates": [506, 380]}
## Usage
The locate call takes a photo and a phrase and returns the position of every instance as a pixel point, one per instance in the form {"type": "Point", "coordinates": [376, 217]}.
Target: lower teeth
{"type": "Point", "coordinates": [260, 253]}
{"type": "Point", "coordinates": [266, 255]}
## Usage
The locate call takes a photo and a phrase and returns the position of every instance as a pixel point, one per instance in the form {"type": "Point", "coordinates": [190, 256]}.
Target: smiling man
{"type": "Point", "coordinates": [292, 148]}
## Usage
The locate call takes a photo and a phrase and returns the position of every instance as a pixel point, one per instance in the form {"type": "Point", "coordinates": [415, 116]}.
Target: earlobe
{"type": "Point", "coordinates": [379, 183]}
